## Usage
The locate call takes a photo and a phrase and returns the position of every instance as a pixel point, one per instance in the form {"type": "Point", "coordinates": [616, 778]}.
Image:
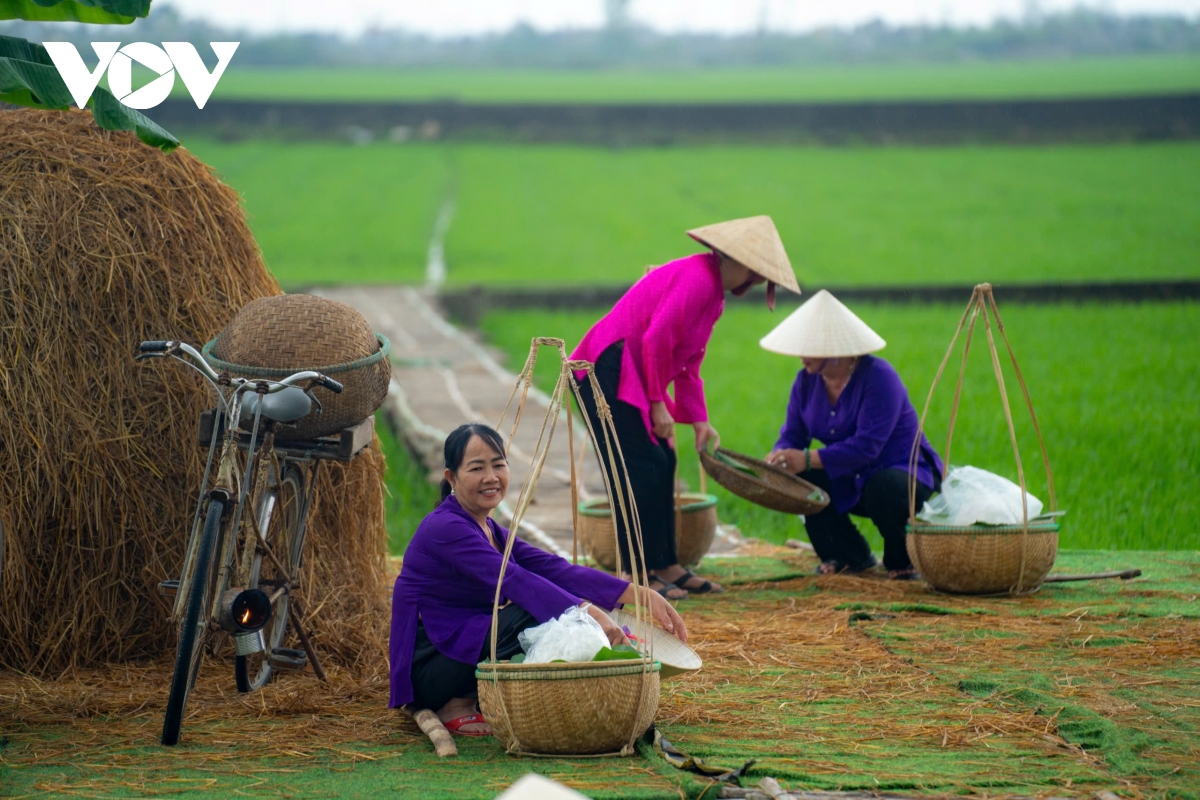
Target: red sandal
{"type": "Point", "coordinates": [470, 719]}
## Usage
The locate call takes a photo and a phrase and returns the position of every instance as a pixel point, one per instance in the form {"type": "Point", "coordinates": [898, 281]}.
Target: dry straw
{"type": "Point", "coordinates": [105, 242]}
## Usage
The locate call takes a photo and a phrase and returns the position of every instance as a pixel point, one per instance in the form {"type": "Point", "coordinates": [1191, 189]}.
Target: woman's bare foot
{"type": "Point", "coordinates": [659, 585]}
{"type": "Point", "coordinates": [460, 707]}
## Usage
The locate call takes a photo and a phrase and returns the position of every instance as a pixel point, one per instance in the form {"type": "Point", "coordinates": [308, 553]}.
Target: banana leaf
{"type": "Point", "coordinates": [28, 78]}
{"type": "Point", "coordinates": [110, 12]}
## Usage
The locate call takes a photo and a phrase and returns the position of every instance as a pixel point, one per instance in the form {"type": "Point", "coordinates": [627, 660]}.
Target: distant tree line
{"type": "Point", "coordinates": [1082, 32]}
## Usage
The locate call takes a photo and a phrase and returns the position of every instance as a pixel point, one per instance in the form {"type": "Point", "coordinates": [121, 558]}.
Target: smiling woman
{"type": "Point", "coordinates": [442, 603]}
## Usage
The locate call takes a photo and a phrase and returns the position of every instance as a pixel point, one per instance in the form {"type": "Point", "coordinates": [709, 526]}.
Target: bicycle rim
{"type": "Point", "coordinates": [195, 621]}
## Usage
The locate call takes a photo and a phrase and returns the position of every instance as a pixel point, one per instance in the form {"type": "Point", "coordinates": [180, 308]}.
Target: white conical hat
{"type": "Point", "coordinates": [822, 328]}
{"type": "Point", "coordinates": [754, 242]}
{"type": "Point", "coordinates": [532, 786]}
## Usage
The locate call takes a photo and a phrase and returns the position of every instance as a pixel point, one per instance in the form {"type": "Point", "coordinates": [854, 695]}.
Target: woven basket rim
{"type": "Point", "coordinates": [723, 473]}
{"type": "Point", "coordinates": [598, 506]}
{"type": "Point", "coordinates": [931, 529]}
{"type": "Point", "coordinates": [572, 670]}
{"type": "Point", "coordinates": [385, 348]}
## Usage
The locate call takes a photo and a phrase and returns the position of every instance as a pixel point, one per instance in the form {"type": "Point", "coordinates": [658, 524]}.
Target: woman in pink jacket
{"type": "Point", "coordinates": [655, 336]}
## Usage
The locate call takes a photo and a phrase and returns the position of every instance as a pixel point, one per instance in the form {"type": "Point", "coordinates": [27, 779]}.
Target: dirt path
{"type": "Point", "coordinates": [441, 378]}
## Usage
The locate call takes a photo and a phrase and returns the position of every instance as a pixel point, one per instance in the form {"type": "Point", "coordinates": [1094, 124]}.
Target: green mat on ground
{"type": "Point", "coordinates": [828, 683]}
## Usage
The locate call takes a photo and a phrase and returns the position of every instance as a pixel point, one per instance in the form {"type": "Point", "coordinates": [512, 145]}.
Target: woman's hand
{"type": "Point", "coordinates": [661, 421]}
{"type": "Point", "coordinates": [662, 611]}
{"type": "Point", "coordinates": [788, 459]}
{"type": "Point", "coordinates": [612, 630]}
{"type": "Point", "coordinates": [706, 433]}
{"type": "Point", "coordinates": [665, 614]}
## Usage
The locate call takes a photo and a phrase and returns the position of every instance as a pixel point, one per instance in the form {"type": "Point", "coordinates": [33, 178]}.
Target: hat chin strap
{"type": "Point", "coordinates": [770, 295]}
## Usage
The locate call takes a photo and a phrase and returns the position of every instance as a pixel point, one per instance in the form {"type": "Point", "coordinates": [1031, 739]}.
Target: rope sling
{"type": "Point", "coordinates": [554, 681]}
{"type": "Point", "coordinates": [983, 304]}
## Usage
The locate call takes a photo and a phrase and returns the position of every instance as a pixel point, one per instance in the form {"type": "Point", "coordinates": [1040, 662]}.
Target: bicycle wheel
{"type": "Point", "coordinates": [281, 524]}
{"type": "Point", "coordinates": [195, 621]}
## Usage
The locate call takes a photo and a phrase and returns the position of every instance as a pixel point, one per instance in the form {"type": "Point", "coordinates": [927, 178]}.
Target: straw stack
{"type": "Point", "coordinates": [105, 242]}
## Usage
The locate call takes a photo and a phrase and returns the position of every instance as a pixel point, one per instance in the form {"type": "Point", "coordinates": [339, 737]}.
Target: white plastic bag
{"type": "Point", "coordinates": [574, 636]}
{"type": "Point", "coordinates": [970, 495]}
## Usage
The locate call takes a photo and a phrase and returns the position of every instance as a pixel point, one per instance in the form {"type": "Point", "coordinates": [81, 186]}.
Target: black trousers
{"type": "Point", "coordinates": [650, 463]}
{"type": "Point", "coordinates": [884, 501]}
{"type": "Point", "coordinates": [437, 679]}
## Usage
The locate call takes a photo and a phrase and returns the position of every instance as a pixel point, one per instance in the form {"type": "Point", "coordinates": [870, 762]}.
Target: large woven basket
{"type": "Point", "coordinates": [695, 528]}
{"type": "Point", "coordinates": [585, 708]}
{"type": "Point", "coordinates": [983, 559]}
{"type": "Point", "coordinates": [763, 484]}
{"type": "Point", "coordinates": [273, 337]}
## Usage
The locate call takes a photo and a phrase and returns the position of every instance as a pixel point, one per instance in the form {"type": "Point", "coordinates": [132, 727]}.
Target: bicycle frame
{"type": "Point", "coordinates": [231, 484]}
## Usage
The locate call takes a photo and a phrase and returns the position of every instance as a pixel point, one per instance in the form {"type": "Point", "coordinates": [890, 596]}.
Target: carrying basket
{"type": "Point", "coordinates": [274, 337]}
{"type": "Point", "coordinates": [982, 559]}
{"type": "Point", "coordinates": [578, 709]}
{"type": "Point", "coordinates": [762, 483]}
{"type": "Point", "coordinates": [695, 529]}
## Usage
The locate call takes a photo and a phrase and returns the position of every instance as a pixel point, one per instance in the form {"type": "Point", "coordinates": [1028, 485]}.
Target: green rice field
{"type": "Point", "coordinates": [328, 213]}
{"type": "Point", "coordinates": [1136, 75]}
{"type": "Point", "coordinates": [1114, 388]}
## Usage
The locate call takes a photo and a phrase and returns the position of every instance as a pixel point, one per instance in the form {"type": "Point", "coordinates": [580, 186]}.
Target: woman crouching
{"type": "Point", "coordinates": [442, 602]}
{"type": "Point", "coordinates": [857, 406]}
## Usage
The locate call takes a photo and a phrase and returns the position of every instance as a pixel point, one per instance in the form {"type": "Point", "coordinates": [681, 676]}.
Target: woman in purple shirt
{"type": "Point", "coordinates": [442, 601]}
{"type": "Point", "coordinates": [856, 405]}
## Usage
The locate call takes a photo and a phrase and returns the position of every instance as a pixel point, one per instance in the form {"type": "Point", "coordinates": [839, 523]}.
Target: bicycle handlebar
{"type": "Point", "coordinates": [330, 384]}
{"type": "Point", "coordinates": [242, 384]}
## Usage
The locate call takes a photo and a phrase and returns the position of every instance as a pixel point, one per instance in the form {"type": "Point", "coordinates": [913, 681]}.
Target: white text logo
{"type": "Point", "coordinates": [178, 56]}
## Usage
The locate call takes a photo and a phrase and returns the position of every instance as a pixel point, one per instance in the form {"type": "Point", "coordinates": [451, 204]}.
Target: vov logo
{"type": "Point", "coordinates": [165, 60]}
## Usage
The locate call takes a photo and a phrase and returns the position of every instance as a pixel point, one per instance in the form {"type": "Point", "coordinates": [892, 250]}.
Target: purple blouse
{"type": "Point", "coordinates": [870, 428]}
{"type": "Point", "coordinates": [448, 582]}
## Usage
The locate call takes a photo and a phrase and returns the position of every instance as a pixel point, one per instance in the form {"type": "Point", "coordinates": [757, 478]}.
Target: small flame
{"type": "Point", "coordinates": [245, 616]}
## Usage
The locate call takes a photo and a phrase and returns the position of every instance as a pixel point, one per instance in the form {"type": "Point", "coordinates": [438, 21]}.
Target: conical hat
{"type": "Point", "coordinates": [822, 328]}
{"type": "Point", "coordinates": [754, 242]}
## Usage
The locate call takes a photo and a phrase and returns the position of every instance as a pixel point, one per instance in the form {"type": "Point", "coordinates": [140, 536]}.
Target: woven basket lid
{"type": "Point", "coordinates": [675, 656]}
{"type": "Point", "coordinates": [295, 332]}
{"type": "Point", "coordinates": [822, 328]}
{"type": "Point", "coordinates": [753, 241]}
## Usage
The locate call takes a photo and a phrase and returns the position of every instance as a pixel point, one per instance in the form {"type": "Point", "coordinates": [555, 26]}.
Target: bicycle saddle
{"type": "Point", "coordinates": [286, 405]}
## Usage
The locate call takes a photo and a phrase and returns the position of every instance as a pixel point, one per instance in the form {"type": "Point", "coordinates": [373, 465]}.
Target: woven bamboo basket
{"type": "Point", "coordinates": [273, 337]}
{"type": "Point", "coordinates": [762, 483]}
{"type": "Point", "coordinates": [569, 709]}
{"type": "Point", "coordinates": [695, 529]}
{"type": "Point", "coordinates": [581, 709]}
{"type": "Point", "coordinates": [982, 559]}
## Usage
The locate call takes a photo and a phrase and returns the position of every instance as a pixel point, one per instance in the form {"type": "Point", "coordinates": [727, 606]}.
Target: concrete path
{"type": "Point", "coordinates": [441, 378]}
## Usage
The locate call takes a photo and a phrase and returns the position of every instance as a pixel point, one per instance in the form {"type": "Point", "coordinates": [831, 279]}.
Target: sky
{"type": "Point", "coordinates": [444, 18]}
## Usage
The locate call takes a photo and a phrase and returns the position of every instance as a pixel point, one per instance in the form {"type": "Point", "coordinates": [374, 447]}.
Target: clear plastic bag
{"type": "Point", "coordinates": [972, 496]}
{"type": "Point", "coordinates": [574, 636]}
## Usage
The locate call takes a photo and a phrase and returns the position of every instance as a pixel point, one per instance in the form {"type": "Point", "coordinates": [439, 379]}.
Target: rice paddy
{"type": "Point", "coordinates": [1136, 75]}
{"type": "Point", "coordinates": [328, 213]}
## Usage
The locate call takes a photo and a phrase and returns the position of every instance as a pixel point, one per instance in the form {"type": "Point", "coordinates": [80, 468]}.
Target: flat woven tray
{"type": "Point", "coordinates": [763, 484]}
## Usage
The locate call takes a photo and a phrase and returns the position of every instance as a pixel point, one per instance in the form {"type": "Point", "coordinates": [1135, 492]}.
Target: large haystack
{"type": "Point", "coordinates": [105, 242]}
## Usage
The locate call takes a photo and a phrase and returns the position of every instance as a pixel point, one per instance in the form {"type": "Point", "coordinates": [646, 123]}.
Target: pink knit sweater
{"type": "Point", "coordinates": [666, 320]}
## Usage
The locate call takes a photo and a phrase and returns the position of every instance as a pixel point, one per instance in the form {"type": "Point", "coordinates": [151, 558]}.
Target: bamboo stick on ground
{"type": "Point", "coordinates": [443, 742]}
{"type": "Point", "coordinates": [1124, 575]}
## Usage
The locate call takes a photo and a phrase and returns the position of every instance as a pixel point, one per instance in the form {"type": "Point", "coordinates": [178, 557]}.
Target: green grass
{"type": "Point", "coordinates": [327, 213]}
{"type": "Point", "coordinates": [847, 216]}
{"type": "Point", "coordinates": [994, 79]}
{"type": "Point", "coordinates": [410, 495]}
{"type": "Point", "coordinates": [1114, 388]}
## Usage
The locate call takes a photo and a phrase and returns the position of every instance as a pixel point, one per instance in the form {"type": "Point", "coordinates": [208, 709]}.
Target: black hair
{"type": "Point", "coordinates": [456, 447]}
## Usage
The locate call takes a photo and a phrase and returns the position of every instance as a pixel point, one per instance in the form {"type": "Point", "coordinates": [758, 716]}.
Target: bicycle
{"type": "Point", "coordinates": [229, 567]}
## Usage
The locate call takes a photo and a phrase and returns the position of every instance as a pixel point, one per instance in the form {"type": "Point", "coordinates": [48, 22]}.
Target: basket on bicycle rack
{"type": "Point", "coordinates": [273, 337]}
